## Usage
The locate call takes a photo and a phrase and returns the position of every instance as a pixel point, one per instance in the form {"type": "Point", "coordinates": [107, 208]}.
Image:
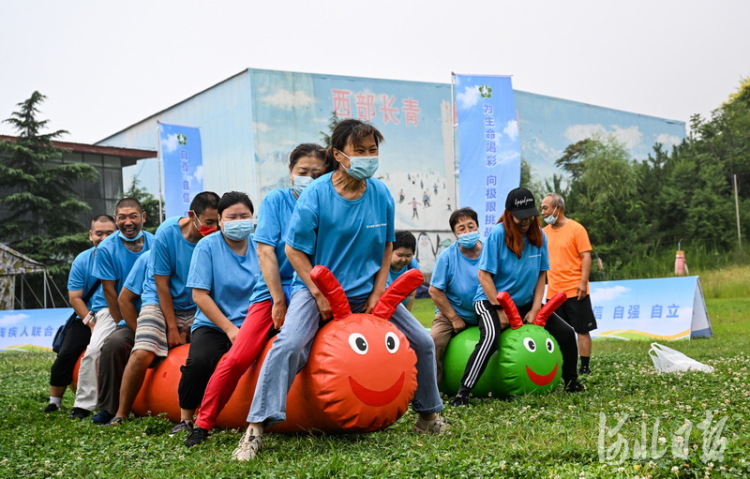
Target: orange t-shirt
{"type": "Point", "coordinates": [565, 246]}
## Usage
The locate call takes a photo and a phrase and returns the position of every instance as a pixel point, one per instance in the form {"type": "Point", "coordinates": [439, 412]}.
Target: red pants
{"type": "Point", "coordinates": [247, 345]}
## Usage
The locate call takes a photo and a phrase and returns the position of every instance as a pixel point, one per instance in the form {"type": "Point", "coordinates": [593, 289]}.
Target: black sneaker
{"type": "Point", "coordinates": [51, 408]}
{"type": "Point", "coordinates": [79, 413]}
{"type": "Point", "coordinates": [574, 387]}
{"type": "Point", "coordinates": [584, 370]}
{"type": "Point", "coordinates": [197, 436]}
{"type": "Point", "coordinates": [461, 400]}
{"type": "Point", "coordinates": [102, 417]}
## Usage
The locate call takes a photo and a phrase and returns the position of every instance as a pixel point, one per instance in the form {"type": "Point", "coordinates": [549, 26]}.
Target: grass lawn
{"type": "Point", "coordinates": [557, 435]}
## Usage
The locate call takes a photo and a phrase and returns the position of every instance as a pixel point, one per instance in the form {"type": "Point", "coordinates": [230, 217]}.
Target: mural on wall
{"type": "Point", "coordinates": [415, 159]}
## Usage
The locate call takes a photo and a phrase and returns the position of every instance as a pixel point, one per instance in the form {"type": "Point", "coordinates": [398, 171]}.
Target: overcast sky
{"type": "Point", "coordinates": [105, 65]}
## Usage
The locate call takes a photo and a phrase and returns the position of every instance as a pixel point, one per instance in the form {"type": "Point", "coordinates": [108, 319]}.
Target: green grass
{"type": "Point", "coordinates": [527, 437]}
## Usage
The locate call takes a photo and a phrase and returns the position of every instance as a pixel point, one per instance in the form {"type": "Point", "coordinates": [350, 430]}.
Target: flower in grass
{"type": "Point", "coordinates": [675, 470]}
{"type": "Point", "coordinates": [637, 467]}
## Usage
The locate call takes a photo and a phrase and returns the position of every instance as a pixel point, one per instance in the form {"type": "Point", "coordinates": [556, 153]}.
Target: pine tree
{"type": "Point", "coordinates": [38, 192]}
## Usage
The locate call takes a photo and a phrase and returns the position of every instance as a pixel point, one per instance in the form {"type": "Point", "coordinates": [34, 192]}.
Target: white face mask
{"type": "Point", "coordinates": [361, 167]}
{"type": "Point", "coordinates": [300, 183]}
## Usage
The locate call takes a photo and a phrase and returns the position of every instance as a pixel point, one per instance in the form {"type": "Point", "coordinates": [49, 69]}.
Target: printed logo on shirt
{"type": "Point", "coordinates": [377, 226]}
{"type": "Point", "coordinates": [534, 255]}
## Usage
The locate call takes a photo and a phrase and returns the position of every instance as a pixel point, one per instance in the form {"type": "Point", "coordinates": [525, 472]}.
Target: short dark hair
{"type": "Point", "coordinates": [203, 201]}
{"type": "Point", "coordinates": [462, 213]}
{"type": "Point", "coordinates": [129, 203]}
{"type": "Point", "coordinates": [103, 219]}
{"type": "Point", "coordinates": [404, 239]}
{"type": "Point", "coordinates": [232, 198]}
{"type": "Point", "coordinates": [346, 130]}
{"type": "Point", "coordinates": [306, 149]}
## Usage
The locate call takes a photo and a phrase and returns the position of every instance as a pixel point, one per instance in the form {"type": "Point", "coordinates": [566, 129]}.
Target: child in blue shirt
{"type": "Point", "coordinates": [402, 261]}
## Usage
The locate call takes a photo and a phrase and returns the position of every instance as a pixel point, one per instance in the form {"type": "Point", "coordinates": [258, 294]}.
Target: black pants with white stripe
{"type": "Point", "coordinates": [489, 341]}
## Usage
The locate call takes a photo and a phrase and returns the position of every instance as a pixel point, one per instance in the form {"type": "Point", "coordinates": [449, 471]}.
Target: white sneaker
{"type": "Point", "coordinates": [248, 447]}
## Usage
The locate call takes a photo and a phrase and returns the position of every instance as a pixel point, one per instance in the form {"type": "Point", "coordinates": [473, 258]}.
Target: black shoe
{"type": "Point", "coordinates": [78, 413]}
{"type": "Point", "coordinates": [197, 436]}
{"type": "Point", "coordinates": [51, 408]}
{"type": "Point", "coordinates": [584, 370]}
{"type": "Point", "coordinates": [103, 417]}
{"type": "Point", "coordinates": [461, 400]}
{"type": "Point", "coordinates": [574, 387]}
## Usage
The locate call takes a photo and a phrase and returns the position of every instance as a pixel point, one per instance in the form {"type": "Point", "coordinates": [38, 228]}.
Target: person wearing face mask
{"type": "Point", "coordinates": [80, 282]}
{"type": "Point", "coordinates": [115, 257]}
{"type": "Point", "coordinates": [223, 273]}
{"type": "Point", "coordinates": [167, 312]}
{"type": "Point", "coordinates": [345, 221]}
{"type": "Point", "coordinates": [269, 300]}
{"type": "Point", "coordinates": [514, 259]}
{"type": "Point", "coordinates": [570, 265]}
{"type": "Point", "coordinates": [454, 282]}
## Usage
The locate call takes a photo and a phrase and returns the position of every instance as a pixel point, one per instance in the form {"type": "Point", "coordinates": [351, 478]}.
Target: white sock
{"type": "Point", "coordinates": [56, 401]}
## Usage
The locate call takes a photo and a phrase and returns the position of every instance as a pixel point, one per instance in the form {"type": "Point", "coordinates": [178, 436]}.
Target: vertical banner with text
{"type": "Point", "coordinates": [488, 145]}
{"type": "Point", "coordinates": [182, 156]}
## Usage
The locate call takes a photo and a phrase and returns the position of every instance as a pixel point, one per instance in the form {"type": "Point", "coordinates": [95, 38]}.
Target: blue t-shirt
{"type": "Point", "coordinates": [457, 276]}
{"type": "Point", "coordinates": [517, 276]}
{"type": "Point", "coordinates": [346, 236]}
{"type": "Point", "coordinates": [114, 261]}
{"type": "Point", "coordinates": [139, 275]}
{"type": "Point", "coordinates": [274, 215]}
{"type": "Point", "coordinates": [393, 275]}
{"type": "Point", "coordinates": [171, 257]}
{"type": "Point", "coordinates": [81, 277]}
{"type": "Point", "coordinates": [229, 278]}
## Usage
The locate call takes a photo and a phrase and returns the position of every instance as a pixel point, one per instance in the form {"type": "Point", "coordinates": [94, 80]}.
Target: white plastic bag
{"type": "Point", "coordinates": [667, 360]}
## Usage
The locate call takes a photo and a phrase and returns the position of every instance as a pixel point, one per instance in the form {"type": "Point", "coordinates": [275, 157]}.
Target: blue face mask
{"type": "Point", "coordinates": [551, 219]}
{"type": "Point", "coordinates": [361, 167]}
{"type": "Point", "coordinates": [238, 230]}
{"type": "Point", "coordinates": [122, 235]}
{"type": "Point", "coordinates": [468, 240]}
{"type": "Point", "coordinates": [300, 183]}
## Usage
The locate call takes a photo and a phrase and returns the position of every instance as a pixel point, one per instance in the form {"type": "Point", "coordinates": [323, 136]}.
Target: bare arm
{"type": "Point", "coordinates": [536, 303]}
{"type": "Point", "coordinates": [443, 304]}
{"type": "Point", "coordinates": [76, 300]}
{"type": "Point", "coordinates": [302, 266]}
{"type": "Point", "coordinates": [585, 271]}
{"type": "Point", "coordinates": [380, 279]}
{"type": "Point", "coordinates": [129, 313]}
{"type": "Point", "coordinates": [110, 294]}
{"type": "Point", "coordinates": [167, 308]}
{"type": "Point", "coordinates": [269, 267]}
{"type": "Point", "coordinates": [410, 301]}
{"type": "Point", "coordinates": [212, 312]}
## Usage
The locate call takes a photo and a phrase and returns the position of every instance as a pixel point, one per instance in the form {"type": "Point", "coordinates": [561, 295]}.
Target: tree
{"type": "Point", "coordinates": [36, 189]}
{"type": "Point", "coordinates": [325, 136]}
{"type": "Point", "coordinates": [39, 192]}
{"type": "Point", "coordinates": [149, 203]}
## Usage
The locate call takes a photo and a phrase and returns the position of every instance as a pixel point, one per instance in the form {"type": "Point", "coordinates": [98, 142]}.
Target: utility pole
{"type": "Point", "coordinates": [737, 208]}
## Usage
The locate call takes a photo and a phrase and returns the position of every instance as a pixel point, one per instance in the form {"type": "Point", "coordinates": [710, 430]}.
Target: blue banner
{"type": "Point", "coordinates": [650, 309]}
{"type": "Point", "coordinates": [489, 150]}
{"type": "Point", "coordinates": [31, 329]}
{"type": "Point", "coordinates": [182, 156]}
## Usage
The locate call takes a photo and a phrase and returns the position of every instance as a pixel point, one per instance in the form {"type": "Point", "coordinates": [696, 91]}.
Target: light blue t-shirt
{"type": "Point", "coordinates": [135, 282]}
{"type": "Point", "coordinates": [457, 276]}
{"type": "Point", "coordinates": [393, 275]}
{"type": "Point", "coordinates": [346, 236]}
{"type": "Point", "coordinates": [171, 257]}
{"type": "Point", "coordinates": [114, 261]}
{"type": "Point", "coordinates": [81, 277]}
{"type": "Point", "coordinates": [517, 276]}
{"type": "Point", "coordinates": [274, 215]}
{"type": "Point", "coordinates": [229, 278]}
